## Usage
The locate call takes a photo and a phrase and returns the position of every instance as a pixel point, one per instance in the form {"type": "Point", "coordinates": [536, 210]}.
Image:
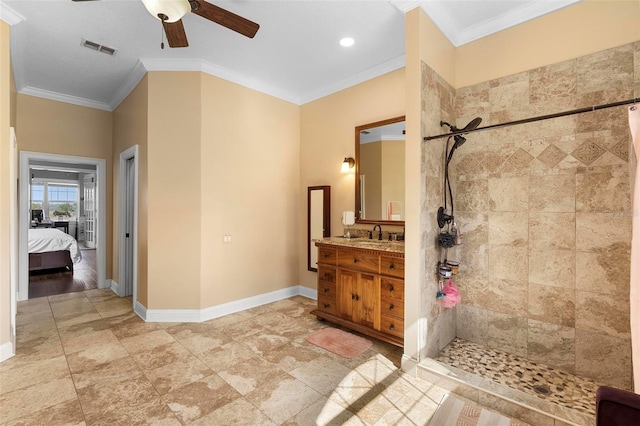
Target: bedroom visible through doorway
{"type": "Point", "coordinates": [59, 281]}
{"type": "Point", "coordinates": [53, 211]}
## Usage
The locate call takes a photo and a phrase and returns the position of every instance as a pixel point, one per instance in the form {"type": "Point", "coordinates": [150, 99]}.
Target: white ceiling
{"type": "Point", "coordinates": [295, 55]}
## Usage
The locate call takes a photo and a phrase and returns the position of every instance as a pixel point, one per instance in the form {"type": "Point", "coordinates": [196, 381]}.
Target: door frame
{"type": "Point", "coordinates": [23, 200]}
{"type": "Point", "coordinates": [129, 153]}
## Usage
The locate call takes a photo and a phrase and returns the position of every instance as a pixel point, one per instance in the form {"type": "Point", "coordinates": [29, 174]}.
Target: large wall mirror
{"type": "Point", "coordinates": [318, 221]}
{"type": "Point", "coordinates": [380, 168]}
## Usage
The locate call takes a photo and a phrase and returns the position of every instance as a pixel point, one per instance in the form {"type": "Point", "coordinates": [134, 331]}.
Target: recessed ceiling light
{"type": "Point", "coordinates": [347, 41]}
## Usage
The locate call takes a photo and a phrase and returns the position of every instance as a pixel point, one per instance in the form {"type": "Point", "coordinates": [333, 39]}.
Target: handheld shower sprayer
{"type": "Point", "coordinates": [443, 216]}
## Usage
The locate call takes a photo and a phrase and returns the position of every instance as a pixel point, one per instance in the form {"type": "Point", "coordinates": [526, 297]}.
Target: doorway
{"type": "Point", "coordinates": [128, 224]}
{"type": "Point", "coordinates": [31, 159]}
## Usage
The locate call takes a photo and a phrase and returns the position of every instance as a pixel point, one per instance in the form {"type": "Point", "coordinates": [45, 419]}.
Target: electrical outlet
{"type": "Point", "coordinates": [226, 239]}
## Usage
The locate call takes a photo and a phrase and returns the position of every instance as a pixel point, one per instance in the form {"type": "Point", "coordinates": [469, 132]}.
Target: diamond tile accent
{"type": "Point", "coordinates": [588, 152]}
{"type": "Point", "coordinates": [551, 156]}
{"type": "Point", "coordinates": [491, 162]}
{"type": "Point", "coordinates": [467, 165]}
{"type": "Point", "coordinates": [621, 149]}
{"type": "Point", "coordinates": [520, 159]}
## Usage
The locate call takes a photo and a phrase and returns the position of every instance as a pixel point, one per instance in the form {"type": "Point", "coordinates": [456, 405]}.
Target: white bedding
{"type": "Point", "coordinates": [42, 240]}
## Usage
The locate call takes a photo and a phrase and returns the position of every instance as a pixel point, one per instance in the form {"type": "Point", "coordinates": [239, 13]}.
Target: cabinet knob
{"type": "Point", "coordinates": [326, 290]}
{"type": "Point", "coordinates": [390, 289]}
{"type": "Point", "coordinates": [355, 260]}
{"type": "Point", "coordinates": [392, 267]}
{"type": "Point", "coordinates": [391, 327]}
{"type": "Point", "coordinates": [391, 307]}
{"type": "Point", "coordinates": [325, 255]}
{"type": "Point", "coordinates": [326, 305]}
{"type": "Point", "coordinates": [326, 276]}
{"type": "Point", "coordinates": [355, 297]}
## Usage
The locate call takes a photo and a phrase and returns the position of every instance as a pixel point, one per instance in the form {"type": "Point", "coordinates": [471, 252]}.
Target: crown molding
{"type": "Point", "coordinates": [457, 36]}
{"type": "Point", "coordinates": [442, 19]}
{"type": "Point", "coordinates": [9, 15]}
{"type": "Point", "coordinates": [136, 74]}
{"type": "Point", "coordinates": [152, 64]}
{"type": "Point", "coordinates": [375, 71]}
{"type": "Point", "coordinates": [405, 5]}
{"type": "Point", "coordinates": [511, 19]}
{"type": "Point", "coordinates": [55, 96]}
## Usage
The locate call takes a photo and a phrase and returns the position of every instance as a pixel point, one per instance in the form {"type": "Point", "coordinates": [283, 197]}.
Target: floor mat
{"type": "Point", "coordinates": [340, 342]}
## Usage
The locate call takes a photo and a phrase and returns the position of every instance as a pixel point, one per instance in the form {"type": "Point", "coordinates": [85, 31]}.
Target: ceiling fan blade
{"type": "Point", "coordinates": [175, 34]}
{"type": "Point", "coordinates": [224, 17]}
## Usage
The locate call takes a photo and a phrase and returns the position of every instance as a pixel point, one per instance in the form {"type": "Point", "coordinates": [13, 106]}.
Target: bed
{"type": "Point", "coordinates": [50, 248]}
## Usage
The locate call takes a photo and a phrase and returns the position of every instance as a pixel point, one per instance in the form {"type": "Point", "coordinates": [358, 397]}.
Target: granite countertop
{"type": "Point", "coordinates": [364, 243]}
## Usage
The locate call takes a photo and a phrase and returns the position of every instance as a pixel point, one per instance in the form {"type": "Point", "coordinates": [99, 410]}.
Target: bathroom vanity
{"type": "Point", "coordinates": [361, 286]}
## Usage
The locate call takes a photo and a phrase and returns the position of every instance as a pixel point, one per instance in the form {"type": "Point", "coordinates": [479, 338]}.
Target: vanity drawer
{"type": "Point", "coordinates": [392, 289]}
{"type": "Point", "coordinates": [327, 289]}
{"type": "Point", "coordinates": [327, 304]}
{"type": "Point", "coordinates": [392, 308]}
{"type": "Point", "coordinates": [326, 274]}
{"type": "Point", "coordinates": [327, 256]}
{"type": "Point", "coordinates": [358, 261]}
{"type": "Point", "coordinates": [392, 325]}
{"type": "Point", "coordinates": [392, 266]}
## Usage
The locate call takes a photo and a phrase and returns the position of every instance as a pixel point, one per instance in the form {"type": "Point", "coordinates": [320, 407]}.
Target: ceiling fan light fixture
{"type": "Point", "coordinates": [174, 10]}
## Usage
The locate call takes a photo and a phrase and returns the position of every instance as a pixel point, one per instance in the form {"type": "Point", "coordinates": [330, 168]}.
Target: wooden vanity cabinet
{"type": "Point", "coordinates": [362, 289]}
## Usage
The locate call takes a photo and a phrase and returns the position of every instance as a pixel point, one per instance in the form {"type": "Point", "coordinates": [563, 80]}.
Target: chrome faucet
{"type": "Point", "coordinates": [379, 231]}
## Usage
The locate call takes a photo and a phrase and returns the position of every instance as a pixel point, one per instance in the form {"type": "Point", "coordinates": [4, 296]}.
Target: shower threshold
{"type": "Point", "coordinates": [515, 386]}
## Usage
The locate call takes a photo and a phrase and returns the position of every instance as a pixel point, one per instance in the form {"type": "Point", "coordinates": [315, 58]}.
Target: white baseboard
{"type": "Point", "coordinates": [108, 283]}
{"type": "Point", "coordinates": [409, 365]}
{"type": "Point", "coordinates": [7, 350]}
{"type": "Point", "coordinates": [140, 310]}
{"type": "Point", "coordinates": [199, 315]}
{"type": "Point", "coordinates": [310, 293]}
{"type": "Point", "coordinates": [114, 286]}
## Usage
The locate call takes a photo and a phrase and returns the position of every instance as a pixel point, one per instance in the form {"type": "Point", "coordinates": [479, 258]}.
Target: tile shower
{"type": "Point", "coordinates": [545, 212]}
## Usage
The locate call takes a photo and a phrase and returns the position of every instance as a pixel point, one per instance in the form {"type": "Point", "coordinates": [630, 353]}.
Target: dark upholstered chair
{"type": "Point", "coordinates": [617, 407]}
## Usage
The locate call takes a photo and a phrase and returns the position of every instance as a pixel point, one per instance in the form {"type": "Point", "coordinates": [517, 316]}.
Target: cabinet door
{"type": "Point", "coordinates": [346, 293]}
{"type": "Point", "coordinates": [367, 307]}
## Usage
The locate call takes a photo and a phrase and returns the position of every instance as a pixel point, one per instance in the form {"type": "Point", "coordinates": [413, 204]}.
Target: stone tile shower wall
{"type": "Point", "coordinates": [545, 211]}
{"type": "Point", "coordinates": [438, 99]}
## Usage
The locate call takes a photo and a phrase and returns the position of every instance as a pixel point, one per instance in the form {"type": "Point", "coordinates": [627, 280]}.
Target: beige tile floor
{"type": "Point", "coordinates": [86, 358]}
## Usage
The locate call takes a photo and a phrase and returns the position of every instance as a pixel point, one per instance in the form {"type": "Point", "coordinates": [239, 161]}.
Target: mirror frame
{"type": "Point", "coordinates": [357, 179]}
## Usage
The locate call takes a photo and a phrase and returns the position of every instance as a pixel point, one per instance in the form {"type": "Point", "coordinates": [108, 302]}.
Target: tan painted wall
{"type": "Point", "coordinates": [14, 99]}
{"type": "Point", "coordinates": [327, 129]}
{"type": "Point", "coordinates": [130, 128]}
{"type": "Point", "coordinates": [250, 190]}
{"type": "Point", "coordinates": [59, 128]}
{"type": "Point", "coordinates": [371, 168]}
{"type": "Point", "coordinates": [5, 241]}
{"type": "Point", "coordinates": [580, 29]}
{"type": "Point", "coordinates": [173, 191]}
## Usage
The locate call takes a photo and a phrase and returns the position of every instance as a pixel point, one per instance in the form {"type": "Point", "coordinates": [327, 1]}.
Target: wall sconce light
{"type": "Point", "coordinates": [347, 164]}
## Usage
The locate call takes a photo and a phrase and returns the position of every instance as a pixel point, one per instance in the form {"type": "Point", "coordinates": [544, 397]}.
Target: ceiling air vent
{"type": "Point", "coordinates": [100, 48]}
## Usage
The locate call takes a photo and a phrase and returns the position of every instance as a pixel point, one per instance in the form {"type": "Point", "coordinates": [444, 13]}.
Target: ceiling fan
{"type": "Point", "coordinates": [170, 12]}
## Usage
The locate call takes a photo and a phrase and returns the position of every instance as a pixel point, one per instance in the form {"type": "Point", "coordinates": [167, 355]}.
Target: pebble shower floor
{"type": "Point", "coordinates": [537, 379]}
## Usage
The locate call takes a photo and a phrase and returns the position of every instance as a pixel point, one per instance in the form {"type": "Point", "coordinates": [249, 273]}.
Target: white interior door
{"type": "Point", "coordinates": [127, 226]}
{"type": "Point", "coordinates": [89, 211]}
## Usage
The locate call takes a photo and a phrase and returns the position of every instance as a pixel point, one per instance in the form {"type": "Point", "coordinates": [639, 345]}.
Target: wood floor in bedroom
{"type": "Point", "coordinates": [48, 283]}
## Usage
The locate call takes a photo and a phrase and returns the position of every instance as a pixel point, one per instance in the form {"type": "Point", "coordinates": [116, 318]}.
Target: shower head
{"type": "Point", "coordinates": [459, 139]}
{"type": "Point", "coordinates": [471, 126]}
